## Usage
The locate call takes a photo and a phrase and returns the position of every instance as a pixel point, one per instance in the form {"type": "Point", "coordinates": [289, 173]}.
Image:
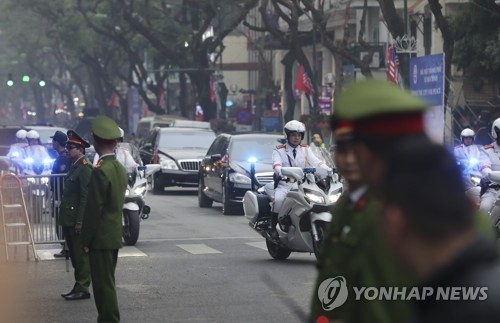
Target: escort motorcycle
{"type": "Point", "coordinates": [35, 175]}
{"type": "Point", "coordinates": [494, 214]}
{"type": "Point", "coordinates": [304, 216]}
{"type": "Point", "coordinates": [135, 208]}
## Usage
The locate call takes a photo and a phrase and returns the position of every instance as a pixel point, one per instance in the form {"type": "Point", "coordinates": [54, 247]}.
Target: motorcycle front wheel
{"type": "Point", "coordinates": [321, 230]}
{"type": "Point", "coordinates": [276, 251]}
{"type": "Point", "coordinates": [131, 222]}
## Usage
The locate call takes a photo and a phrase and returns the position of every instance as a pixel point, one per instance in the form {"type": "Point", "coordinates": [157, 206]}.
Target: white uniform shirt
{"type": "Point", "coordinates": [123, 156]}
{"type": "Point", "coordinates": [304, 157]}
{"type": "Point", "coordinates": [493, 152]}
{"type": "Point", "coordinates": [37, 152]}
{"type": "Point", "coordinates": [466, 154]}
{"type": "Point", "coordinates": [17, 150]}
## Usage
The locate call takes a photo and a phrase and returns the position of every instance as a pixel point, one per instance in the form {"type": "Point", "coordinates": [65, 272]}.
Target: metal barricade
{"type": "Point", "coordinates": [43, 195]}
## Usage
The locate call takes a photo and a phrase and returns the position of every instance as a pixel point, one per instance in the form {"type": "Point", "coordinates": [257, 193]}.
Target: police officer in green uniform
{"type": "Point", "coordinates": [355, 250]}
{"type": "Point", "coordinates": [382, 117]}
{"type": "Point", "coordinates": [72, 208]}
{"type": "Point", "coordinates": [61, 166]}
{"type": "Point", "coordinates": [102, 224]}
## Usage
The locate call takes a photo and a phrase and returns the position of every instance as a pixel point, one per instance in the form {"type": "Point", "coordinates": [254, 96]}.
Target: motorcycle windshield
{"type": "Point", "coordinates": [323, 154]}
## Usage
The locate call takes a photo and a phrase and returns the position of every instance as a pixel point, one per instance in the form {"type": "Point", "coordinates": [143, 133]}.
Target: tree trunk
{"type": "Point", "coordinates": [288, 61]}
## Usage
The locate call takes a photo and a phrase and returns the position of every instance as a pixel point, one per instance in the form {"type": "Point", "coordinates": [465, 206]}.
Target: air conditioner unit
{"type": "Point", "coordinates": [375, 63]}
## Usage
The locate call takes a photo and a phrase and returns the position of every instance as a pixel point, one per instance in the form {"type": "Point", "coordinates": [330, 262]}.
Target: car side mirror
{"type": "Point", "coordinates": [215, 157]}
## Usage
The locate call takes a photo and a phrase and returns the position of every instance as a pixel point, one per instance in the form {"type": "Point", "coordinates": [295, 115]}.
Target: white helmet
{"type": "Point", "coordinates": [294, 126]}
{"type": "Point", "coordinates": [122, 133]}
{"type": "Point", "coordinates": [33, 134]}
{"type": "Point", "coordinates": [467, 132]}
{"type": "Point", "coordinates": [495, 128]}
{"type": "Point", "coordinates": [21, 134]}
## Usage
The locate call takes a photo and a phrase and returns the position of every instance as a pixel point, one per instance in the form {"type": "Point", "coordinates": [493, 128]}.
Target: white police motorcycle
{"type": "Point", "coordinates": [304, 216]}
{"type": "Point", "coordinates": [135, 208]}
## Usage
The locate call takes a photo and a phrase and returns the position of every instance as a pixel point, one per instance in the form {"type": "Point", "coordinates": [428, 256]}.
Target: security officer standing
{"type": "Point", "coordinates": [354, 249]}
{"type": "Point", "coordinates": [102, 224]}
{"type": "Point", "coordinates": [72, 210]}
{"type": "Point", "coordinates": [61, 166]}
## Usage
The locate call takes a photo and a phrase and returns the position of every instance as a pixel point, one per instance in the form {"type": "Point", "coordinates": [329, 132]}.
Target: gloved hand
{"type": "Point", "coordinates": [485, 184]}
{"type": "Point", "coordinates": [277, 171]}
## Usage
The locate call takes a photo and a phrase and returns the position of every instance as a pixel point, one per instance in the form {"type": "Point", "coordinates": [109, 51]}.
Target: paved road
{"type": "Point", "coordinates": [189, 265]}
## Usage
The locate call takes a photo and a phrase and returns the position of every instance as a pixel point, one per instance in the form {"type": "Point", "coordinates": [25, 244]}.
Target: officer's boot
{"type": "Point", "coordinates": [273, 223]}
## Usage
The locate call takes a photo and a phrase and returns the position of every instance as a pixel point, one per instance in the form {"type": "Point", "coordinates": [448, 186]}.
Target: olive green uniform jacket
{"type": "Point", "coordinates": [74, 198]}
{"type": "Point", "coordinates": [355, 249]}
{"type": "Point", "coordinates": [102, 225]}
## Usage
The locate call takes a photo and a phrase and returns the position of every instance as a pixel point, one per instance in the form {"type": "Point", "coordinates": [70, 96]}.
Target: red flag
{"type": "Point", "coordinates": [114, 102]}
{"type": "Point", "coordinates": [161, 97]}
{"type": "Point", "coordinates": [392, 65]}
{"type": "Point", "coordinates": [304, 82]}
{"type": "Point", "coordinates": [213, 89]}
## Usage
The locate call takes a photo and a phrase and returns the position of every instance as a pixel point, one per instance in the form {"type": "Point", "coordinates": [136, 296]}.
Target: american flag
{"type": "Point", "coordinates": [392, 65]}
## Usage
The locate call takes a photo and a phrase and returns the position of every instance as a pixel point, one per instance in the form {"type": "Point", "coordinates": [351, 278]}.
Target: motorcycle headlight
{"type": "Point", "coordinates": [48, 161]}
{"type": "Point", "coordinates": [239, 178]}
{"type": "Point", "coordinates": [140, 190]}
{"type": "Point", "coordinates": [167, 163]}
{"type": "Point", "coordinates": [29, 160]}
{"type": "Point", "coordinates": [15, 154]}
{"type": "Point", "coordinates": [473, 161]}
{"type": "Point", "coordinates": [127, 192]}
{"type": "Point", "coordinates": [333, 197]}
{"type": "Point", "coordinates": [314, 197]}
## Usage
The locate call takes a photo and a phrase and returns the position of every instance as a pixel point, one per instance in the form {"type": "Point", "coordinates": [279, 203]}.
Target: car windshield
{"type": "Point", "coordinates": [261, 148]}
{"type": "Point", "coordinates": [186, 139]}
{"type": "Point", "coordinates": [46, 133]}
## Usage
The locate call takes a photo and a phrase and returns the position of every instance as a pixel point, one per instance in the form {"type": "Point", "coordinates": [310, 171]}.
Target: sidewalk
{"type": "Point", "coordinates": [30, 291]}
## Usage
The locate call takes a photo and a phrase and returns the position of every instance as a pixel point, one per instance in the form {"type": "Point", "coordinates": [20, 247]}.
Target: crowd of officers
{"type": "Point", "coordinates": [405, 219]}
{"type": "Point", "coordinates": [92, 230]}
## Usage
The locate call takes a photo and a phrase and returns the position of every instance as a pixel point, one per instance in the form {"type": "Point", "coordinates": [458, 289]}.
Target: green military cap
{"type": "Point", "coordinates": [76, 139]}
{"type": "Point", "coordinates": [380, 108]}
{"type": "Point", "coordinates": [367, 98]}
{"type": "Point", "coordinates": [105, 128]}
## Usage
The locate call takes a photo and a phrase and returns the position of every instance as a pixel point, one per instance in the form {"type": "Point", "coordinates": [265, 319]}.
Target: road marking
{"type": "Point", "coordinates": [128, 251]}
{"type": "Point", "coordinates": [194, 239]}
{"type": "Point", "coordinates": [198, 249]}
{"type": "Point", "coordinates": [260, 245]}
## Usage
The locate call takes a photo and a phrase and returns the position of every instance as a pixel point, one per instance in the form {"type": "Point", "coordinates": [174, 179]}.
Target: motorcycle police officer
{"type": "Point", "coordinates": [489, 197]}
{"type": "Point", "coordinates": [291, 154]}
{"type": "Point", "coordinates": [474, 161]}
{"type": "Point", "coordinates": [17, 151]}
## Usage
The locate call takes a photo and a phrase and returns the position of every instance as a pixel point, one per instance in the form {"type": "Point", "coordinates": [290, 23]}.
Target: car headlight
{"type": "Point", "coordinates": [333, 197]}
{"type": "Point", "coordinates": [167, 163]}
{"type": "Point", "coordinates": [315, 197]}
{"type": "Point", "coordinates": [239, 178]}
{"type": "Point", "coordinates": [140, 190]}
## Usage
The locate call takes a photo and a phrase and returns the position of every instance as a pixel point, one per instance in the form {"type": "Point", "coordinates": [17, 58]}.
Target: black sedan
{"type": "Point", "coordinates": [179, 152]}
{"type": "Point", "coordinates": [225, 172]}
